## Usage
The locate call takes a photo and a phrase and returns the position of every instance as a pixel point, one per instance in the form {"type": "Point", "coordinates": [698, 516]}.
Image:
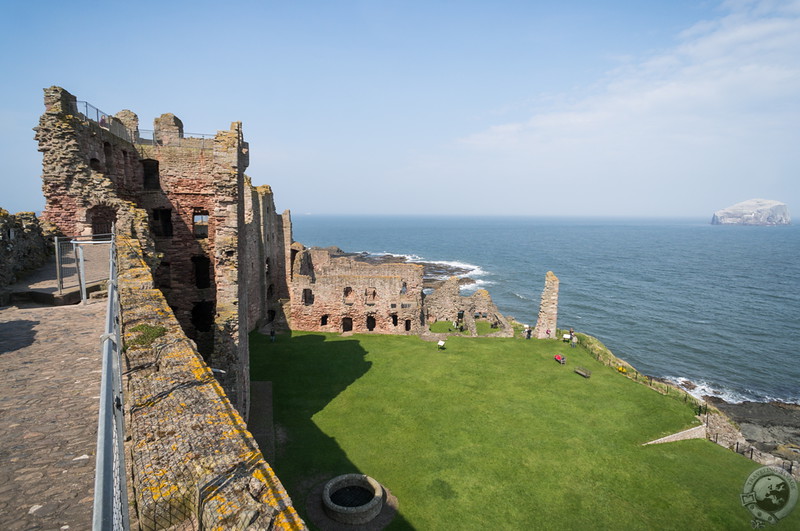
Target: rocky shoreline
{"type": "Point", "coordinates": [434, 273]}
{"type": "Point", "coordinates": [772, 427]}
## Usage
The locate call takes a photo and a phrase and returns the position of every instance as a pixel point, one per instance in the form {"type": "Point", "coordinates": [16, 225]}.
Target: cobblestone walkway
{"type": "Point", "coordinates": [50, 366]}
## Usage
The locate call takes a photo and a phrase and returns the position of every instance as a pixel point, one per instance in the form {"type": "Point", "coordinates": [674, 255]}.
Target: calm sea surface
{"type": "Point", "coordinates": [678, 299]}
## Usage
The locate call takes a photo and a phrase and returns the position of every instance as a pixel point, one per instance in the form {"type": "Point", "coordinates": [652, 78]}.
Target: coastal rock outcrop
{"type": "Point", "coordinates": [753, 212]}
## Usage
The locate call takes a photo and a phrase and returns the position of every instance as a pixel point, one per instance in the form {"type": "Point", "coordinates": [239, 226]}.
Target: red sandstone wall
{"type": "Point", "coordinates": [331, 290]}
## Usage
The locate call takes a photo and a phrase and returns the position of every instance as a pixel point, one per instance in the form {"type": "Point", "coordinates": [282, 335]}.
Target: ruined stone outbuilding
{"type": "Point", "coordinates": [447, 304]}
{"type": "Point", "coordinates": [332, 293]}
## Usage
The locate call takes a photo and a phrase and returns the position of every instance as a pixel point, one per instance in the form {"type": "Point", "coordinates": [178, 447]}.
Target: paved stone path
{"type": "Point", "coordinates": [50, 368]}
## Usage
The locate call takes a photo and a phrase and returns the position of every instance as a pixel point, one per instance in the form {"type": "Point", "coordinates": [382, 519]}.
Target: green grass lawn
{"type": "Point", "coordinates": [444, 327]}
{"type": "Point", "coordinates": [492, 433]}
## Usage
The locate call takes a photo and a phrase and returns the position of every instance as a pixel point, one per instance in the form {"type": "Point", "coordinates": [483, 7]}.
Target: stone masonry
{"type": "Point", "coordinates": [23, 245]}
{"type": "Point", "coordinates": [548, 309]}
{"type": "Point", "coordinates": [191, 192]}
{"type": "Point", "coordinates": [338, 294]}
{"type": "Point", "coordinates": [446, 304]}
{"type": "Point", "coordinates": [195, 465]}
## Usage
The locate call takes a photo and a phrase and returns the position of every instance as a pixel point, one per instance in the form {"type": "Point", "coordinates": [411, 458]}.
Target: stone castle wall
{"type": "Point", "coordinates": [267, 241]}
{"type": "Point", "coordinates": [447, 304]}
{"type": "Point", "coordinates": [194, 464]}
{"type": "Point", "coordinates": [339, 294]}
{"type": "Point", "coordinates": [23, 245]}
{"type": "Point", "coordinates": [192, 190]}
{"type": "Point", "coordinates": [548, 308]}
{"type": "Point", "coordinates": [87, 172]}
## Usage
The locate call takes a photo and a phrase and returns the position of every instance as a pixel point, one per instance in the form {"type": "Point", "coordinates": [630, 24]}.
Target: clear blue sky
{"type": "Point", "coordinates": [672, 108]}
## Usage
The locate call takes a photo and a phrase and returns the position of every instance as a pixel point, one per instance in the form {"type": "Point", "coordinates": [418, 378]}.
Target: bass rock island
{"type": "Point", "coordinates": [753, 212]}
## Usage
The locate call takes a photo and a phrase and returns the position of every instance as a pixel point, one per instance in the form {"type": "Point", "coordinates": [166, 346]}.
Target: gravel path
{"type": "Point", "coordinates": [50, 362]}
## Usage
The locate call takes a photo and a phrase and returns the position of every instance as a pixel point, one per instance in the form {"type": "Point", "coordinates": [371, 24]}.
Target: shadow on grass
{"type": "Point", "coordinates": [307, 372]}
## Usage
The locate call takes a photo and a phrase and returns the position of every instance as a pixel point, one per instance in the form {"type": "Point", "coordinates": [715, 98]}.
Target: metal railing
{"type": "Point", "coordinates": [104, 120]}
{"type": "Point", "coordinates": [80, 261]}
{"type": "Point", "coordinates": [150, 137]}
{"type": "Point", "coordinates": [110, 484]}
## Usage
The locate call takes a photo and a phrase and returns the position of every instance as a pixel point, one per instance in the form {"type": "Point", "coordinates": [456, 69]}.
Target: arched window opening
{"type": "Point", "coordinates": [323, 321]}
{"type": "Point", "coordinates": [101, 218]}
{"type": "Point", "coordinates": [394, 319]}
{"type": "Point", "coordinates": [370, 323]}
{"type": "Point", "coordinates": [408, 325]}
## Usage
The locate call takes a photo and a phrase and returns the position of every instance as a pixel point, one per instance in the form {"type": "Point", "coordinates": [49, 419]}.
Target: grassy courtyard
{"type": "Point", "coordinates": [492, 434]}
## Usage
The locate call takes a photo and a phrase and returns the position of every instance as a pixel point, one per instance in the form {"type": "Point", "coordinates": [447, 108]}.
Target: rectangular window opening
{"type": "Point", "coordinates": [200, 223]}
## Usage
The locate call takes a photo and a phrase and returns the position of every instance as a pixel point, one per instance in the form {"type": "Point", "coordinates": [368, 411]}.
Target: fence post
{"type": "Point", "coordinates": [59, 280]}
{"type": "Point", "coordinates": [81, 273]}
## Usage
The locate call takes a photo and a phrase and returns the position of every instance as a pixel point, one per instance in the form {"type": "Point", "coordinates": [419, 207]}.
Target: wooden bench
{"type": "Point", "coordinates": [583, 372]}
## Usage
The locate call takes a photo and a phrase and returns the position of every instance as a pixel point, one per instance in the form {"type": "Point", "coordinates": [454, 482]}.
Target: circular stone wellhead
{"type": "Point", "coordinates": [352, 499]}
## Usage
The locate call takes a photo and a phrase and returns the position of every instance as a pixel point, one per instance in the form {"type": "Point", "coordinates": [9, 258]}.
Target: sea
{"type": "Point", "coordinates": [716, 307]}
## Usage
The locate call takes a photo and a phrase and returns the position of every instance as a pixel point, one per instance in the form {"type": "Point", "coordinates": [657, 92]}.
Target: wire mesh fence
{"type": "Point", "coordinates": [92, 251]}
{"type": "Point", "coordinates": [149, 137]}
{"type": "Point", "coordinates": [104, 120]}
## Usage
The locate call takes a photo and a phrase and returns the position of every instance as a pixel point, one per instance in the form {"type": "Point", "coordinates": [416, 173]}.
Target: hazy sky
{"type": "Point", "coordinates": [670, 108]}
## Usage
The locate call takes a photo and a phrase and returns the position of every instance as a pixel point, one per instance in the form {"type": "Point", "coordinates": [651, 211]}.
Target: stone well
{"type": "Point", "coordinates": [352, 499]}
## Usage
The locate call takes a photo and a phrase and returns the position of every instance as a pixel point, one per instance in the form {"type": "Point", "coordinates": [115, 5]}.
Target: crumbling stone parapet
{"type": "Point", "coordinates": [24, 246]}
{"type": "Point", "coordinates": [195, 465]}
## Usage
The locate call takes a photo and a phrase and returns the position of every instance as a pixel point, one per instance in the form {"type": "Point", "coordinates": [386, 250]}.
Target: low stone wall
{"type": "Point", "coordinates": [194, 464]}
{"type": "Point", "coordinates": [23, 245]}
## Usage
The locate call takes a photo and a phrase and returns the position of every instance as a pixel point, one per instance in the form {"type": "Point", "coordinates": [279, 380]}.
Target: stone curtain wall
{"type": "Point", "coordinates": [193, 201]}
{"type": "Point", "coordinates": [336, 294]}
{"type": "Point", "coordinates": [266, 237]}
{"type": "Point", "coordinates": [548, 309]}
{"type": "Point", "coordinates": [23, 245]}
{"type": "Point", "coordinates": [195, 465]}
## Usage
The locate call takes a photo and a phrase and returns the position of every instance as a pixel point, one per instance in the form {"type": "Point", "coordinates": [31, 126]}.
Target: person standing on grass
{"type": "Point", "coordinates": [272, 335]}
{"type": "Point", "coordinates": [574, 341]}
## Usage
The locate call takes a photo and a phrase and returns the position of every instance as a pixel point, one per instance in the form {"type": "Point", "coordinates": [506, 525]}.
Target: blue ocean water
{"type": "Point", "coordinates": [676, 298]}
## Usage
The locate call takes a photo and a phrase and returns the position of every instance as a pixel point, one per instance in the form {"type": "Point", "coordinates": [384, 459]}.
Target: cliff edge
{"type": "Point", "coordinates": [753, 212]}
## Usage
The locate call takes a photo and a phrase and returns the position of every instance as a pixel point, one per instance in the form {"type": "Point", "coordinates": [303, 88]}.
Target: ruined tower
{"type": "Point", "coordinates": [98, 167]}
{"type": "Point", "coordinates": [548, 309]}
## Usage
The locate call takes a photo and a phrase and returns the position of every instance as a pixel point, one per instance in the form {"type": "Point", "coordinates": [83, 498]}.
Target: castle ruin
{"type": "Point", "coordinates": [209, 259]}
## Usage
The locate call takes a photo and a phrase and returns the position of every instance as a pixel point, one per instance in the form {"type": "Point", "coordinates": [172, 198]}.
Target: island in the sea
{"type": "Point", "coordinates": [753, 212]}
